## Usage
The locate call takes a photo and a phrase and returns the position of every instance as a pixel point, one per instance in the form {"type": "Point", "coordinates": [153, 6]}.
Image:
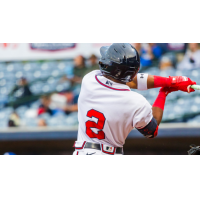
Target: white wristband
{"type": "Point", "coordinates": [142, 81]}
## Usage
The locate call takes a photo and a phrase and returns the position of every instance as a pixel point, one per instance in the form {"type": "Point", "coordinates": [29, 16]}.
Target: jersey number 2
{"type": "Point", "coordinates": [99, 125]}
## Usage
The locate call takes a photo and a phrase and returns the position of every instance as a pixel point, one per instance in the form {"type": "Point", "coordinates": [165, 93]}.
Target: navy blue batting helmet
{"type": "Point", "coordinates": [120, 61]}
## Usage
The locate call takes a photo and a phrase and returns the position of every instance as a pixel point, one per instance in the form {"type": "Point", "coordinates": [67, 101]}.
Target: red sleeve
{"type": "Point", "coordinates": [160, 100]}
{"type": "Point", "coordinates": [161, 82]}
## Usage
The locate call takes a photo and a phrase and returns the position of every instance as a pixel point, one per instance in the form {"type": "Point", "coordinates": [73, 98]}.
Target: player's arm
{"type": "Point", "coordinates": [159, 104]}
{"type": "Point", "coordinates": [151, 129]}
{"type": "Point", "coordinates": [144, 81]}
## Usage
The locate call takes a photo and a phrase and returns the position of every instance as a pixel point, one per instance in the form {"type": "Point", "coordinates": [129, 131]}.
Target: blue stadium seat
{"type": "Point", "coordinates": [7, 111]}
{"type": "Point", "coordinates": [3, 82]}
{"type": "Point", "coordinates": [51, 80]}
{"type": "Point", "coordinates": [179, 73]}
{"type": "Point", "coordinates": [3, 116]}
{"type": "Point", "coordinates": [71, 121]}
{"type": "Point", "coordinates": [4, 123]}
{"type": "Point", "coordinates": [37, 74]}
{"type": "Point", "coordinates": [55, 73]}
{"type": "Point", "coordinates": [53, 121]}
{"type": "Point", "coordinates": [30, 77]}
{"type": "Point", "coordinates": [61, 66]}
{"type": "Point", "coordinates": [29, 122]}
{"type": "Point", "coordinates": [2, 74]}
{"type": "Point", "coordinates": [2, 66]}
{"type": "Point", "coordinates": [52, 64]}
{"type": "Point", "coordinates": [10, 67]}
{"type": "Point", "coordinates": [4, 91]}
{"type": "Point", "coordinates": [35, 104]}
{"type": "Point", "coordinates": [19, 74]}
{"type": "Point", "coordinates": [21, 110]}
{"type": "Point", "coordinates": [28, 68]}
{"type": "Point", "coordinates": [36, 88]}
{"type": "Point", "coordinates": [195, 120]}
{"type": "Point", "coordinates": [44, 116]}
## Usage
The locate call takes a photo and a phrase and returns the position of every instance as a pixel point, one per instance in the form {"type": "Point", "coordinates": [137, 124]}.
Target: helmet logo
{"type": "Point", "coordinates": [128, 78]}
{"type": "Point", "coordinates": [118, 74]}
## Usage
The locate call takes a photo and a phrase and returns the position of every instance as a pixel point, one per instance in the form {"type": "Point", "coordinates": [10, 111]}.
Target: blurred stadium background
{"type": "Point", "coordinates": [40, 85]}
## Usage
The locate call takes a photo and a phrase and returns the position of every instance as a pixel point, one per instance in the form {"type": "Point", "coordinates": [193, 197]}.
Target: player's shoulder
{"type": "Point", "coordinates": [91, 74]}
{"type": "Point", "coordinates": [138, 98]}
{"type": "Point", "coordinates": [136, 95]}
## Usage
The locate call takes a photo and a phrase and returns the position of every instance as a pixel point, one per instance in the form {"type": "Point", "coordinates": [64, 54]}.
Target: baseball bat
{"type": "Point", "coordinates": [195, 87]}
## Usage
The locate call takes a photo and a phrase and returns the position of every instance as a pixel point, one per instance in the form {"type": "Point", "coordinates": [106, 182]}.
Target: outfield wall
{"type": "Point", "coordinates": [171, 139]}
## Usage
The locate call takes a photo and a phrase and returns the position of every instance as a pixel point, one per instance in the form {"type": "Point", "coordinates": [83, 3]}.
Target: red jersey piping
{"type": "Point", "coordinates": [108, 86]}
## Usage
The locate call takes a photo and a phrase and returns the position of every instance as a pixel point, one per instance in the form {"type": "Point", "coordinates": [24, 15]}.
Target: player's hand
{"type": "Point", "coordinates": [182, 83]}
{"type": "Point", "coordinates": [167, 90]}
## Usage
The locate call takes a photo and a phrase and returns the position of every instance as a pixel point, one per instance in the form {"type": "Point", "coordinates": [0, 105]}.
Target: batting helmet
{"type": "Point", "coordinates": [121, 61]}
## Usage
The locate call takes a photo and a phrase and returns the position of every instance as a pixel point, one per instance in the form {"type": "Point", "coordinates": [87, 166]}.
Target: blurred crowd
{"type": "Point", "coordinates": [164, 56]}
{"type": "Point", "coordinates": [53, 104]}
{"type": "Point", "coordinates": [169, 55]}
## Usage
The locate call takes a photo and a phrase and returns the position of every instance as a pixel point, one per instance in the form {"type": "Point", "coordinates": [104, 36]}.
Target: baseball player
{"type": "Point", "coordinates": [107, 108]}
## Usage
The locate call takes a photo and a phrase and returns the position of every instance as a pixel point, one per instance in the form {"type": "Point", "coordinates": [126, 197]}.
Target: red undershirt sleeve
{"type": "Point", "coordinates": [161, 82]}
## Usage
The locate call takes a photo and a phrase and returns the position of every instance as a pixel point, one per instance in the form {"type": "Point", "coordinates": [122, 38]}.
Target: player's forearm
{"type": "Point", "coordinates": [157, 114]}
{"type": "Point", "coordinates": [158, 81]}
{"type": "Point", "coordinates": [145, 81]}
{"type": "Point", "coordinates": [158, 106]}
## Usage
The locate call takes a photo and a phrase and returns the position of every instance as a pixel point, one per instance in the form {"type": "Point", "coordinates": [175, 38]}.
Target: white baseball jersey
{"type": "Point", "coordinates": [108, 111]}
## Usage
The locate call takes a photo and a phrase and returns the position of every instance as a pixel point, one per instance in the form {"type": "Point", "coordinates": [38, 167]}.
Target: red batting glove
{"type": "Point", "coordinates": [181, 83]}
{"type": "Point", "coordinates": [167, 90]}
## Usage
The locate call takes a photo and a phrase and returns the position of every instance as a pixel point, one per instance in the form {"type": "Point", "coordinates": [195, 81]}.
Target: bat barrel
{"type": "Point", "coordinates": [195, 87]}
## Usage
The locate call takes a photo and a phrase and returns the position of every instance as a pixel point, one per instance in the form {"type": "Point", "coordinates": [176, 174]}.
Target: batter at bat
{"type": "Point", "coordinates": [107, 108]}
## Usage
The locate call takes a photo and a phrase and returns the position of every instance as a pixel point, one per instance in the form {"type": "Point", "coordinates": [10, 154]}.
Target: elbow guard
{"type": "Point", "coordinates": [151, 130]}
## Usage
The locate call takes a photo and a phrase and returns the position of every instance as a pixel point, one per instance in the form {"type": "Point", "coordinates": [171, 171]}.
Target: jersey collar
{"type": "Point", "coordinates": [111, 84]}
